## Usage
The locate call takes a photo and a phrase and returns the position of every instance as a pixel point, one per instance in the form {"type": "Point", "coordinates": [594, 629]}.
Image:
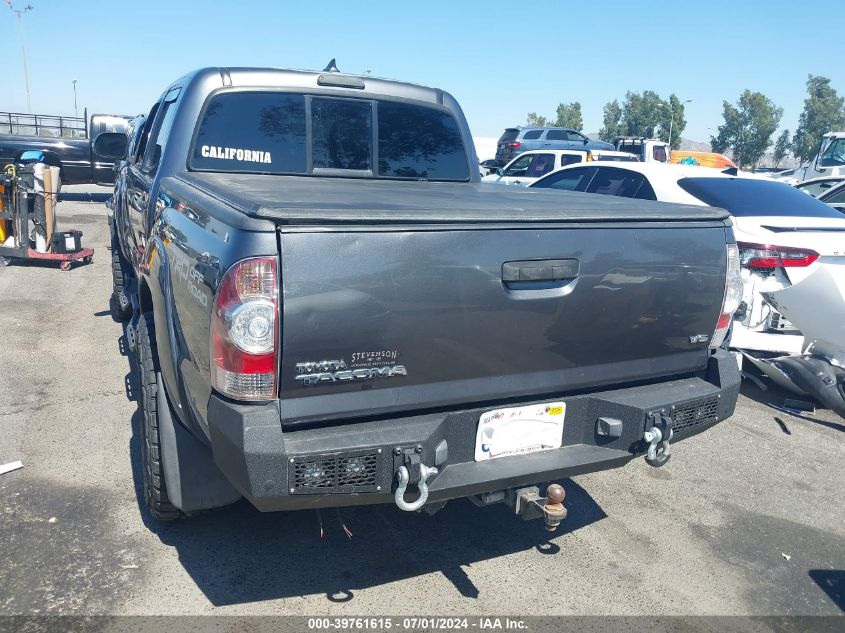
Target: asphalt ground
{"type": "Point", "coordinates": [746, 518]}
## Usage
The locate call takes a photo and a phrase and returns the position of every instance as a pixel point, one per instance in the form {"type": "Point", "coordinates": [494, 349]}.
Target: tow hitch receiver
{"type": "Point", "coordinates": [530, 505]}
{"type": "Point", "coordinates": [657, 435]}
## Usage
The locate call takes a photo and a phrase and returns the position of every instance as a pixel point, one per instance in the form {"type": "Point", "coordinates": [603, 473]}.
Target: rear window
{"type": "Point", "coordinates": [509, 135]}
{"type": "Point", "coordinates": [252, 132]}
{"type": "Point", "coordinates": [266, 132]}
{"type": "Point", "coordinates": [751, 197]}
{"type": "Point", "coordinates": [658, 153]}
{"type": "Point", "coordinates": [342, 134]}
{"type": "Point", "coordinates": [615, 157]}
{"type": "Point", "coordinates": [418, 142]}
{"type": "Point", "coordinates": [571, 159]}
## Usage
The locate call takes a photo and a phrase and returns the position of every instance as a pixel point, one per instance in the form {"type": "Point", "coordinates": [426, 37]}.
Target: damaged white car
{"type": "Point", "coordinates": [791, 323]}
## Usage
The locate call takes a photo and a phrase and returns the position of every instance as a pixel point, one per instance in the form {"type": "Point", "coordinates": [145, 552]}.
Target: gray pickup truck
{"type": "Point", "coordinates": [329, 308]}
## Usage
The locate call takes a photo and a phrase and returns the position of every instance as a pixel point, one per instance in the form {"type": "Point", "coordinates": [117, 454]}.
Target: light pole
{"type": "Point", "coordinates": [19, 13]}
{"type": "Point", "coordinates": [672, 119]}
{"type": "Point", "coordinates": [75, 110]}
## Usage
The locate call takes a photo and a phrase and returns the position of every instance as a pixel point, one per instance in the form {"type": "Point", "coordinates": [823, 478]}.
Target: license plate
{"type": "Point", "coordinates": [520, 430]}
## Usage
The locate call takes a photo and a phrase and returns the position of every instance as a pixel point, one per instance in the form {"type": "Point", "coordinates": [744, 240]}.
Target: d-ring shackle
{"type": "Point", "coordinates": [404, 477]}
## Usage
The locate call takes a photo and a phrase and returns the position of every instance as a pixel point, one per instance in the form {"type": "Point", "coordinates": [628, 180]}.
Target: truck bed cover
{"type": "Point", "coordinates": [304, 200]}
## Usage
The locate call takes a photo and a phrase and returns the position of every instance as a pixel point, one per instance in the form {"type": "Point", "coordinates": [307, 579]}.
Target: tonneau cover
{"type": "Point", "coordinates": [312, 200]}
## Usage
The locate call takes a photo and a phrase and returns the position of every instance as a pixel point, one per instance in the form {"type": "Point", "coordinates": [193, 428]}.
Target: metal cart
{"type": "Point", "coordinates": [18, 194]}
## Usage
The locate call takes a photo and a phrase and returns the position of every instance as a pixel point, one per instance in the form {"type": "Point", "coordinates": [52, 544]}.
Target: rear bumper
{"type": "Point", "coordinates": [266, 464]}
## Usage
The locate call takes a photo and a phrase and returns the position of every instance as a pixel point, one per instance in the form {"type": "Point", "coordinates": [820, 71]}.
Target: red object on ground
{"type": "Point", "coordinates": [86, 254]}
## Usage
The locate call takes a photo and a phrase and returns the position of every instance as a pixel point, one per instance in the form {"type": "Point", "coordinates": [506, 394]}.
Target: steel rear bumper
{"type": "Point", "coordinates": [269, 466]}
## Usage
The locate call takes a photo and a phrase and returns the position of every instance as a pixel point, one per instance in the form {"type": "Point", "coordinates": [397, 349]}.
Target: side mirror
{"type": "Point", "coordinates": [500, 171]}
{"type": "Point", "coordinates": [111, 146]}
{"type": "Point", "coordinates": [586, 140]}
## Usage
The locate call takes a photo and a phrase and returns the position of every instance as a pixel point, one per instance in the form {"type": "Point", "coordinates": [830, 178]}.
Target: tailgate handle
{"type": "Point", "coordinates": [543, 270]}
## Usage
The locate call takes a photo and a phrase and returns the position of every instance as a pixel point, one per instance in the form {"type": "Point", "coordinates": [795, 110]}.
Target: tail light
{"type": "Point", "coordinates": [244, 331]}
{"type": "Point", "coordinates": [731, 300]}
{"type": "Point", "coordinates": [763, 257]}
{"type": "Point", "coordinates": [515, 145]}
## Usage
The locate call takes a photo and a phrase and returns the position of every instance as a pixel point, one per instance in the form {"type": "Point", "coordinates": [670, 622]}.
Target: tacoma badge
{"type": "Point", "coordinates": [331, 371]}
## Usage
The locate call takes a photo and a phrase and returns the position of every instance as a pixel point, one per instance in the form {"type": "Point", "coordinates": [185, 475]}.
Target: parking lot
{"type": "Point", "coordinates": [746, 518]}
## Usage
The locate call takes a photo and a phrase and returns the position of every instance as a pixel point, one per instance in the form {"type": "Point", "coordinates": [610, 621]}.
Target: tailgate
{"type": "Point", "coordinates": [376, 321]}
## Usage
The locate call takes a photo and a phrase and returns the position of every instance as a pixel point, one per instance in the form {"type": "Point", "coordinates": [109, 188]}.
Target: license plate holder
{"type": "Point", "coordinates": [519, 430]}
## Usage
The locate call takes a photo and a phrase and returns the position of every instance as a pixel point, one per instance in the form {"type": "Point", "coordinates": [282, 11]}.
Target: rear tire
{"type": "Point", "coordinates": [119, 279]}
{"type": "Point", "coordinates": [155, 488]}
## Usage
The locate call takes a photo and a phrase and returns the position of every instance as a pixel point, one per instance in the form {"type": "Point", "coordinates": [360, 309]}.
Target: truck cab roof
{"type": "Point", "coordinates": [245, 76]}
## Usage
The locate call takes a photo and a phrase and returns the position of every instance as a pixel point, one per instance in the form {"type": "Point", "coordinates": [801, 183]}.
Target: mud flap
{"type": "Point", "coordinates": [193, 480]}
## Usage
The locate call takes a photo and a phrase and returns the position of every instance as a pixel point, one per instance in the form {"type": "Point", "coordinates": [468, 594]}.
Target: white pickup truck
{"type": "Point", "coordinates": [829, 161]}
{"type": "Point", "coordinates": [648, 150]}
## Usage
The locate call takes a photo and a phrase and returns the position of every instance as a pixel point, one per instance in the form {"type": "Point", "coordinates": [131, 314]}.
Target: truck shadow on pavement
{"type": "Point", "coordinates": [239, 555]}
{"type": "Point", "coordinates": [832, 582]}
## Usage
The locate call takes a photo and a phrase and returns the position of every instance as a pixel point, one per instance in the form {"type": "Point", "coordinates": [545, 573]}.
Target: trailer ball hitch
{"type": "Point", "coordinates": [553, 510]}
{"type": "Point", "coordinates": [404, 478]}
{"type": "Point", "coordinates": [528, 504]}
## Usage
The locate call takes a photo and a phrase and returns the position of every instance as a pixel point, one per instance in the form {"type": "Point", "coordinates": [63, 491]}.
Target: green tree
{"type": "Point", "coordinates": [535, 120]}
{"type": "Point", "coordinates": [641, 113]}
{"type": "Point", "coordinates": [569, 115]}
{"type": "Point", "coordinates": [672, 121]}
{"type": "Point", "coordinates": [612, 123]}
{"type": "Point", "coordinates": [782, 147]}
{"type": "Point", "coordinates": [748, 128]}
{"type": "Point", "coordinates": [824, 111]}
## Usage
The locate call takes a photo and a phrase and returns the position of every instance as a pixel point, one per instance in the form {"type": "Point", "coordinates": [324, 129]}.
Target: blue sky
{"type": "Point", "coordinates": [500, 59]}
